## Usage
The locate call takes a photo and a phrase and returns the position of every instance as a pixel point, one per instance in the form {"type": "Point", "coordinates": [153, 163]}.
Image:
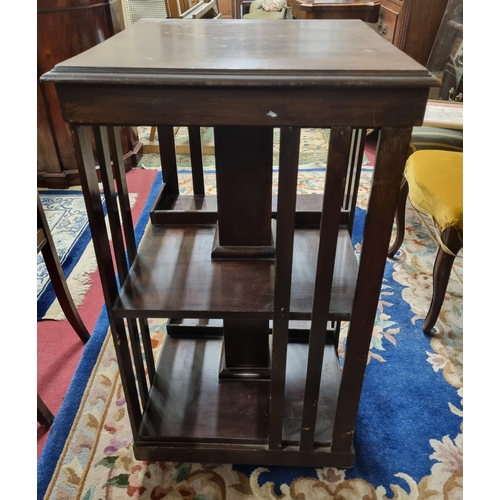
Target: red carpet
{"type": "Point", "coordinates": [59, 348]}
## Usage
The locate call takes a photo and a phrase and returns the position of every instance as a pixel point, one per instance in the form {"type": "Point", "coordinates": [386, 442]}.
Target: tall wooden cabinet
{"type": "Point", "coordinates": [66, 28]}
{"type": "Point", "coordinates": [411, 25]}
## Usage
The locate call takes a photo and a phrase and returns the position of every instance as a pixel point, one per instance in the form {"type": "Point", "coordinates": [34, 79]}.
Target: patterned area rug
{"type": "Point", "coordinates": [408, 439]}
{"type": "Point", "coordinates": [313, 148]}
{"type": "Point", "coordinates": [67, 219]}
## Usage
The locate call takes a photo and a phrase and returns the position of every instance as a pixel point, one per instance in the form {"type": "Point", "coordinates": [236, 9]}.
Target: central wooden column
{"type": "Point", "coordinates": [244, 173]}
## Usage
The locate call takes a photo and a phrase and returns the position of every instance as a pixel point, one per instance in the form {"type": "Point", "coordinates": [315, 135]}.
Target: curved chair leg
{"type": "Point", "coordinates": [400, 218]}
{"type": "Point", "coordinates": [57, 278]}
{"type": "Point", "coordinates": [441, 275]}
{"type": "Point", "coordinates": [62, 293]}
{"type": "Point", "coordinates": [44, 415]}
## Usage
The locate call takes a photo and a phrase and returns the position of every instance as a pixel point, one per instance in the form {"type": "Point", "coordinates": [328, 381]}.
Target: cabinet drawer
{"type": "Point", "coordinates": [387, 22]}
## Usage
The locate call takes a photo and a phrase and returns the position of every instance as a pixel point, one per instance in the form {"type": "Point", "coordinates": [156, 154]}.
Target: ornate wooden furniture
{"type": "Point", "coordinates": [434, 183]}
{"type": "Point", "coordinates": [244, 257]}
{"type": "Point", "coordinates": [411, 25]}
{"type": "Point", "coordinates": [367, 11]}
{"type": "Point", "coordinates": [66, 28]}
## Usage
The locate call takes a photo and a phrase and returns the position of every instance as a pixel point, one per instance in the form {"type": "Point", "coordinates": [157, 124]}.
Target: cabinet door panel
{"type": "Point", "coordinates": [225, 8]}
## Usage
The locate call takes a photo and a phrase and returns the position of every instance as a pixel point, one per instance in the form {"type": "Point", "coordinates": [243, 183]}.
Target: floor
{"type": "Point", "coordinates": [59, 348]}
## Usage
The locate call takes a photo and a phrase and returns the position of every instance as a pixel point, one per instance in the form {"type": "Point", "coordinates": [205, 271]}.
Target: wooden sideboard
{"type": "Point", "coordinates": [411, 25]}
{"type": "Point", "coordinates": [367, 11]}
{"type": "Point", "coordinates": [64, 29]}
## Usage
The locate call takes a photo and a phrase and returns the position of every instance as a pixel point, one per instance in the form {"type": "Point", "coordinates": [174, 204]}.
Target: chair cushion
{"type": "Point", "coordinates": [437, 138]}
{"type": "Point", "coordinates": [435, 181]}
{"type": "Point", "coordinates": [274, 5]}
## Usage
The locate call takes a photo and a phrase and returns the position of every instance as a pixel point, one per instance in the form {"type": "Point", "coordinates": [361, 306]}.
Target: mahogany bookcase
{"type": "Point", "coordinates": [254, 389]}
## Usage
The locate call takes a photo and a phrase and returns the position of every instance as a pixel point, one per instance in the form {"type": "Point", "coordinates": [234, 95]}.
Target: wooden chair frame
{"type": "Point", "coordinates": [45, 244]}
{"type": "Point", "coordinates": [443, 264]}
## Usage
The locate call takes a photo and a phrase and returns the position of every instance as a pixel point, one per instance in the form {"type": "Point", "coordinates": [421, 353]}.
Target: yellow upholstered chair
{"type": "Point", "coordinates": [434, 185]}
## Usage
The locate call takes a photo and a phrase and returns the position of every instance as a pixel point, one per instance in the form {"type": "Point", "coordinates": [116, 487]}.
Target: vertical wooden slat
{"type": "Point", "coordinates": [168, 158]}
{"type": "Point", "coordinates": [287, 194]}
{"type": "Point", "coordinates": [138, 360]}
{"type": "Point", "coordinates": [103, 157]}
{"type": "Point", "coordinates": [388, 171]}
{"type": "Point", "coordinates": [128, 229]}
{"type": "Point", "coordinates": [108, 184]}
{"type": "Point", "coordinates": [336, 334]}
{"type": "Point", "coordinates": [122, 189]}
{"type": "Point", "coordinates": [92, 196]}
{"type": "Point", "coordinates": [354, 173]}
{"type": "Point", "coordinates": [196, 153]}
{"type": "Point", "coordinates": [336, 170]}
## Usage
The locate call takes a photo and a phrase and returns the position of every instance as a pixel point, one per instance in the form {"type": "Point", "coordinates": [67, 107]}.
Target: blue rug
{"type": "Point", "coordinates": [408, 438]}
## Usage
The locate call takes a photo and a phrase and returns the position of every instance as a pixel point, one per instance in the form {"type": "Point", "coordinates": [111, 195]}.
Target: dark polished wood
{"type": "Point", "coordinates": [245, 353]}
{"type": "Point", "coordinates": [443, 263]}
{"type": "Point", "coordinates": [45, 244]}
{"type": "Point", "coordinates": [66, 28]}
{"type": "Point", "coordinates": [194, 285]}
{"type": "Point", "coordinates": [400, 219]}
{"type": "Point", "coordinates": [307, 9]}
{"type": "Point", "coordinates": [335, 74]}
{"type": "Point", "coordinates": [441, 274]}
{"type": "Point", "coordinates": [242, 171]}
{"type": "Point", "coordinates": [336, 173]}
{"type": "Point", "coordinates": [43, 415]}
{"type": "Point", "coordinates": [411, 25]}
{"type": "Point", "coordinates": [196, 154]}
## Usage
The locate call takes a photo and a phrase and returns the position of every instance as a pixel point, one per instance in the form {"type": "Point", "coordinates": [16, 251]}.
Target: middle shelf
{"type": "Point", "coordinates": [173, 275]}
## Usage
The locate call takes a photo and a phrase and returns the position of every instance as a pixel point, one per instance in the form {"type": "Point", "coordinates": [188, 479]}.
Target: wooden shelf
{"type": "Point", "coordinates": [173, 275]}
{"type": "Point", "coordinates": [188, 403]}
{"type": "Point", "coordinates": [192, 209]}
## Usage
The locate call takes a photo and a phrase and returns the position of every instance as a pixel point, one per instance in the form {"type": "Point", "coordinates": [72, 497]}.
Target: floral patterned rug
{"type": "Point", "coordinates": [69, 226]}
{"type": "Point", "coordinates": [313, 148]}
{"type": "Point", "coordinates": [408, 438]}
{"type": "Point", "coordinates": [68, 223]}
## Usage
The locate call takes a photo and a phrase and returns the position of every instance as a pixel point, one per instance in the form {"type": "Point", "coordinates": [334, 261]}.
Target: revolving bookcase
{"type": "Point", "coordinates": [254, 284]}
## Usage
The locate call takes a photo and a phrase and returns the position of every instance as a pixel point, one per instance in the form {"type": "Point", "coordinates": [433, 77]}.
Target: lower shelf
{"type": "Point", "coordinates": [189, 406]}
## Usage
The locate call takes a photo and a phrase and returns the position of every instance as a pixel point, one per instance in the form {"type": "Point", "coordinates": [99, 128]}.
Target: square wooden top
{"type": "Point", "coordinates": [244, 52]}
